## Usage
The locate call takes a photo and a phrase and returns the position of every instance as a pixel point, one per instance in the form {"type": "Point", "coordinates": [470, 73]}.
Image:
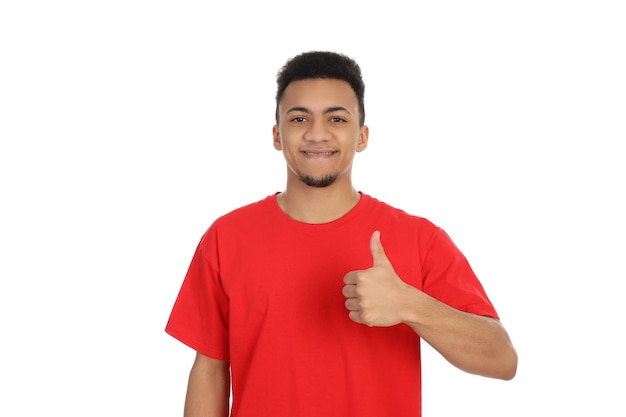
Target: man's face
{"type": "Point", "coordinates": [318, 130]}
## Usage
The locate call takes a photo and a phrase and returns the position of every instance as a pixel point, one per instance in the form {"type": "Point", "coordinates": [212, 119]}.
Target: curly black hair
{"type": "Point", "coordinates": [322, 64]}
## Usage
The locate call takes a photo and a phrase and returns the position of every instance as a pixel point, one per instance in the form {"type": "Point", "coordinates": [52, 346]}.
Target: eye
{"type": "Point", "coordinates": [298, 119]}
{"type": "Point", "coordinates": [337, 119]}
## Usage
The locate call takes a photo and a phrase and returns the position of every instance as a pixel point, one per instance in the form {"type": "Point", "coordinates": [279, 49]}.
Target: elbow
{"type": "Point", "coordinates": [508, 368]}
{"type": "Point", "coordinates": [502, 365]}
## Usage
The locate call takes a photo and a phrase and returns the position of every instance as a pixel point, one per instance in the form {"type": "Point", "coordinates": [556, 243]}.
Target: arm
{"type": "Point", "coordinates": [208, 391]}
{"type": "Point", "coordinates": [475, 344]}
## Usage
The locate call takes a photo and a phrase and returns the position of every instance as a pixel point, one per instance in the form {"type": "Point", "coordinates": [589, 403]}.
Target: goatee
{"type": "Point", "coordinates": [322, 182]}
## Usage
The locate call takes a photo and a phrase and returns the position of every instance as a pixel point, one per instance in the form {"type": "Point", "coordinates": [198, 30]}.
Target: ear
{"type": "Point", "coordinates": [277, 142]}
{"type": "Point", "coordinates": [363, 138]}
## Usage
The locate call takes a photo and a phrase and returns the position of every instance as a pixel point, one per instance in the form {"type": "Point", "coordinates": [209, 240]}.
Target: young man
{"type": "Point", "coordinates": [314, 299]}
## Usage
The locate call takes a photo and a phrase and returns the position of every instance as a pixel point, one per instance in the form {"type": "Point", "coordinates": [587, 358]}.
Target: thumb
{"type": "Point", "coordinates": [378, 253]}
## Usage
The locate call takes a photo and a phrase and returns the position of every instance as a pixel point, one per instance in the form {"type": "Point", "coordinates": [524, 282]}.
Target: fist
{"type": "Point", "coordinates": [373, 294]}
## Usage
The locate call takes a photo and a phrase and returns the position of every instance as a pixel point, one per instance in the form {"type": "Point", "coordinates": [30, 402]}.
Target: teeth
{"type": "Point", "coordinates": [318, 153]}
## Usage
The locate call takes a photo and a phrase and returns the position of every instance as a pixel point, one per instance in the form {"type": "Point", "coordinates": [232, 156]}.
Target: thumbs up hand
{"type": "Point", "coordinates": [374, 295]}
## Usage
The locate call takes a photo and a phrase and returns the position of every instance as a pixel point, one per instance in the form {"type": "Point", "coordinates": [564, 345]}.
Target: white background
{"type": "Point", "coordinates": [127, 127]}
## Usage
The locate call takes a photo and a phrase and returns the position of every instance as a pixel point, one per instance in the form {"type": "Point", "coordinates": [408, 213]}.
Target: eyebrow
{"type": "Point", "coordinates": [326, 111]}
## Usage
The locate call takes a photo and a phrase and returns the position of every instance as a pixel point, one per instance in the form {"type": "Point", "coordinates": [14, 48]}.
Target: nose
{"type": "Point", "coordinates": [317, 131]}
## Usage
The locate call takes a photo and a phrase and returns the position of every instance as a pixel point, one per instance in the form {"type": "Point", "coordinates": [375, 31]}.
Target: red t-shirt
{"type": "Point", "coordinates": [264, 292]}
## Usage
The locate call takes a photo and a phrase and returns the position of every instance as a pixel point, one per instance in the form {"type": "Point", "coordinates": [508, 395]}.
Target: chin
{"type": "Point", "coordinates": [318, 182]}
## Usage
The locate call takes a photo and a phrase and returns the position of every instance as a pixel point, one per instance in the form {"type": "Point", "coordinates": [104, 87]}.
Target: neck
{"type": "Point", "coordinates": [318, 205]}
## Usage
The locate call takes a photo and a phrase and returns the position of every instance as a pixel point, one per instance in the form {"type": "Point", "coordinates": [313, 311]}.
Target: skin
{"type": "Point", "coordinates": [319, 135]}
{"type": "Point", "coordinates": [208, 389]}
{"type": "Point", "coordinates": [316, 117]}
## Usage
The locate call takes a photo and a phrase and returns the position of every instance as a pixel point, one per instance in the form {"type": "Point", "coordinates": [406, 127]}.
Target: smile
{"type": "Point", "coordinates": [311, 153]}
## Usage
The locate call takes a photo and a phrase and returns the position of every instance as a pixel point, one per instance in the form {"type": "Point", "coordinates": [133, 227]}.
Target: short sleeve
{"type": "Point", "coordinates": [199, 317]}
{"type": "Point", "coordinates": [448, 277]}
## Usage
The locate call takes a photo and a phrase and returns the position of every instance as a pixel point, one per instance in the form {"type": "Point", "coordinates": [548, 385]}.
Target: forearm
{"type": "Point", "coordinates": [476, 344]}
{"type": "Point", "coordinates": [208, 390]}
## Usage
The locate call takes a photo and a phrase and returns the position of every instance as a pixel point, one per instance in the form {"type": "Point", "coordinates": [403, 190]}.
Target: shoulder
{"type": "Point", "coordinates": [398, 215]}
{"type": "Point", "coordinates": [239, 220]}
{"type": "Point", "coordinates": [248, 212]}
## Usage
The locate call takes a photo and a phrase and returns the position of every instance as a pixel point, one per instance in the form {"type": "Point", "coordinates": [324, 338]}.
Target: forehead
{"type": "Point", "coordinates": [319, 92]}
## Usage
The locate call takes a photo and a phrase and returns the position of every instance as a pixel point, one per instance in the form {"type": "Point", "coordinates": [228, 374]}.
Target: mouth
{"type": "Point", "coordinates": [319, 153]}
